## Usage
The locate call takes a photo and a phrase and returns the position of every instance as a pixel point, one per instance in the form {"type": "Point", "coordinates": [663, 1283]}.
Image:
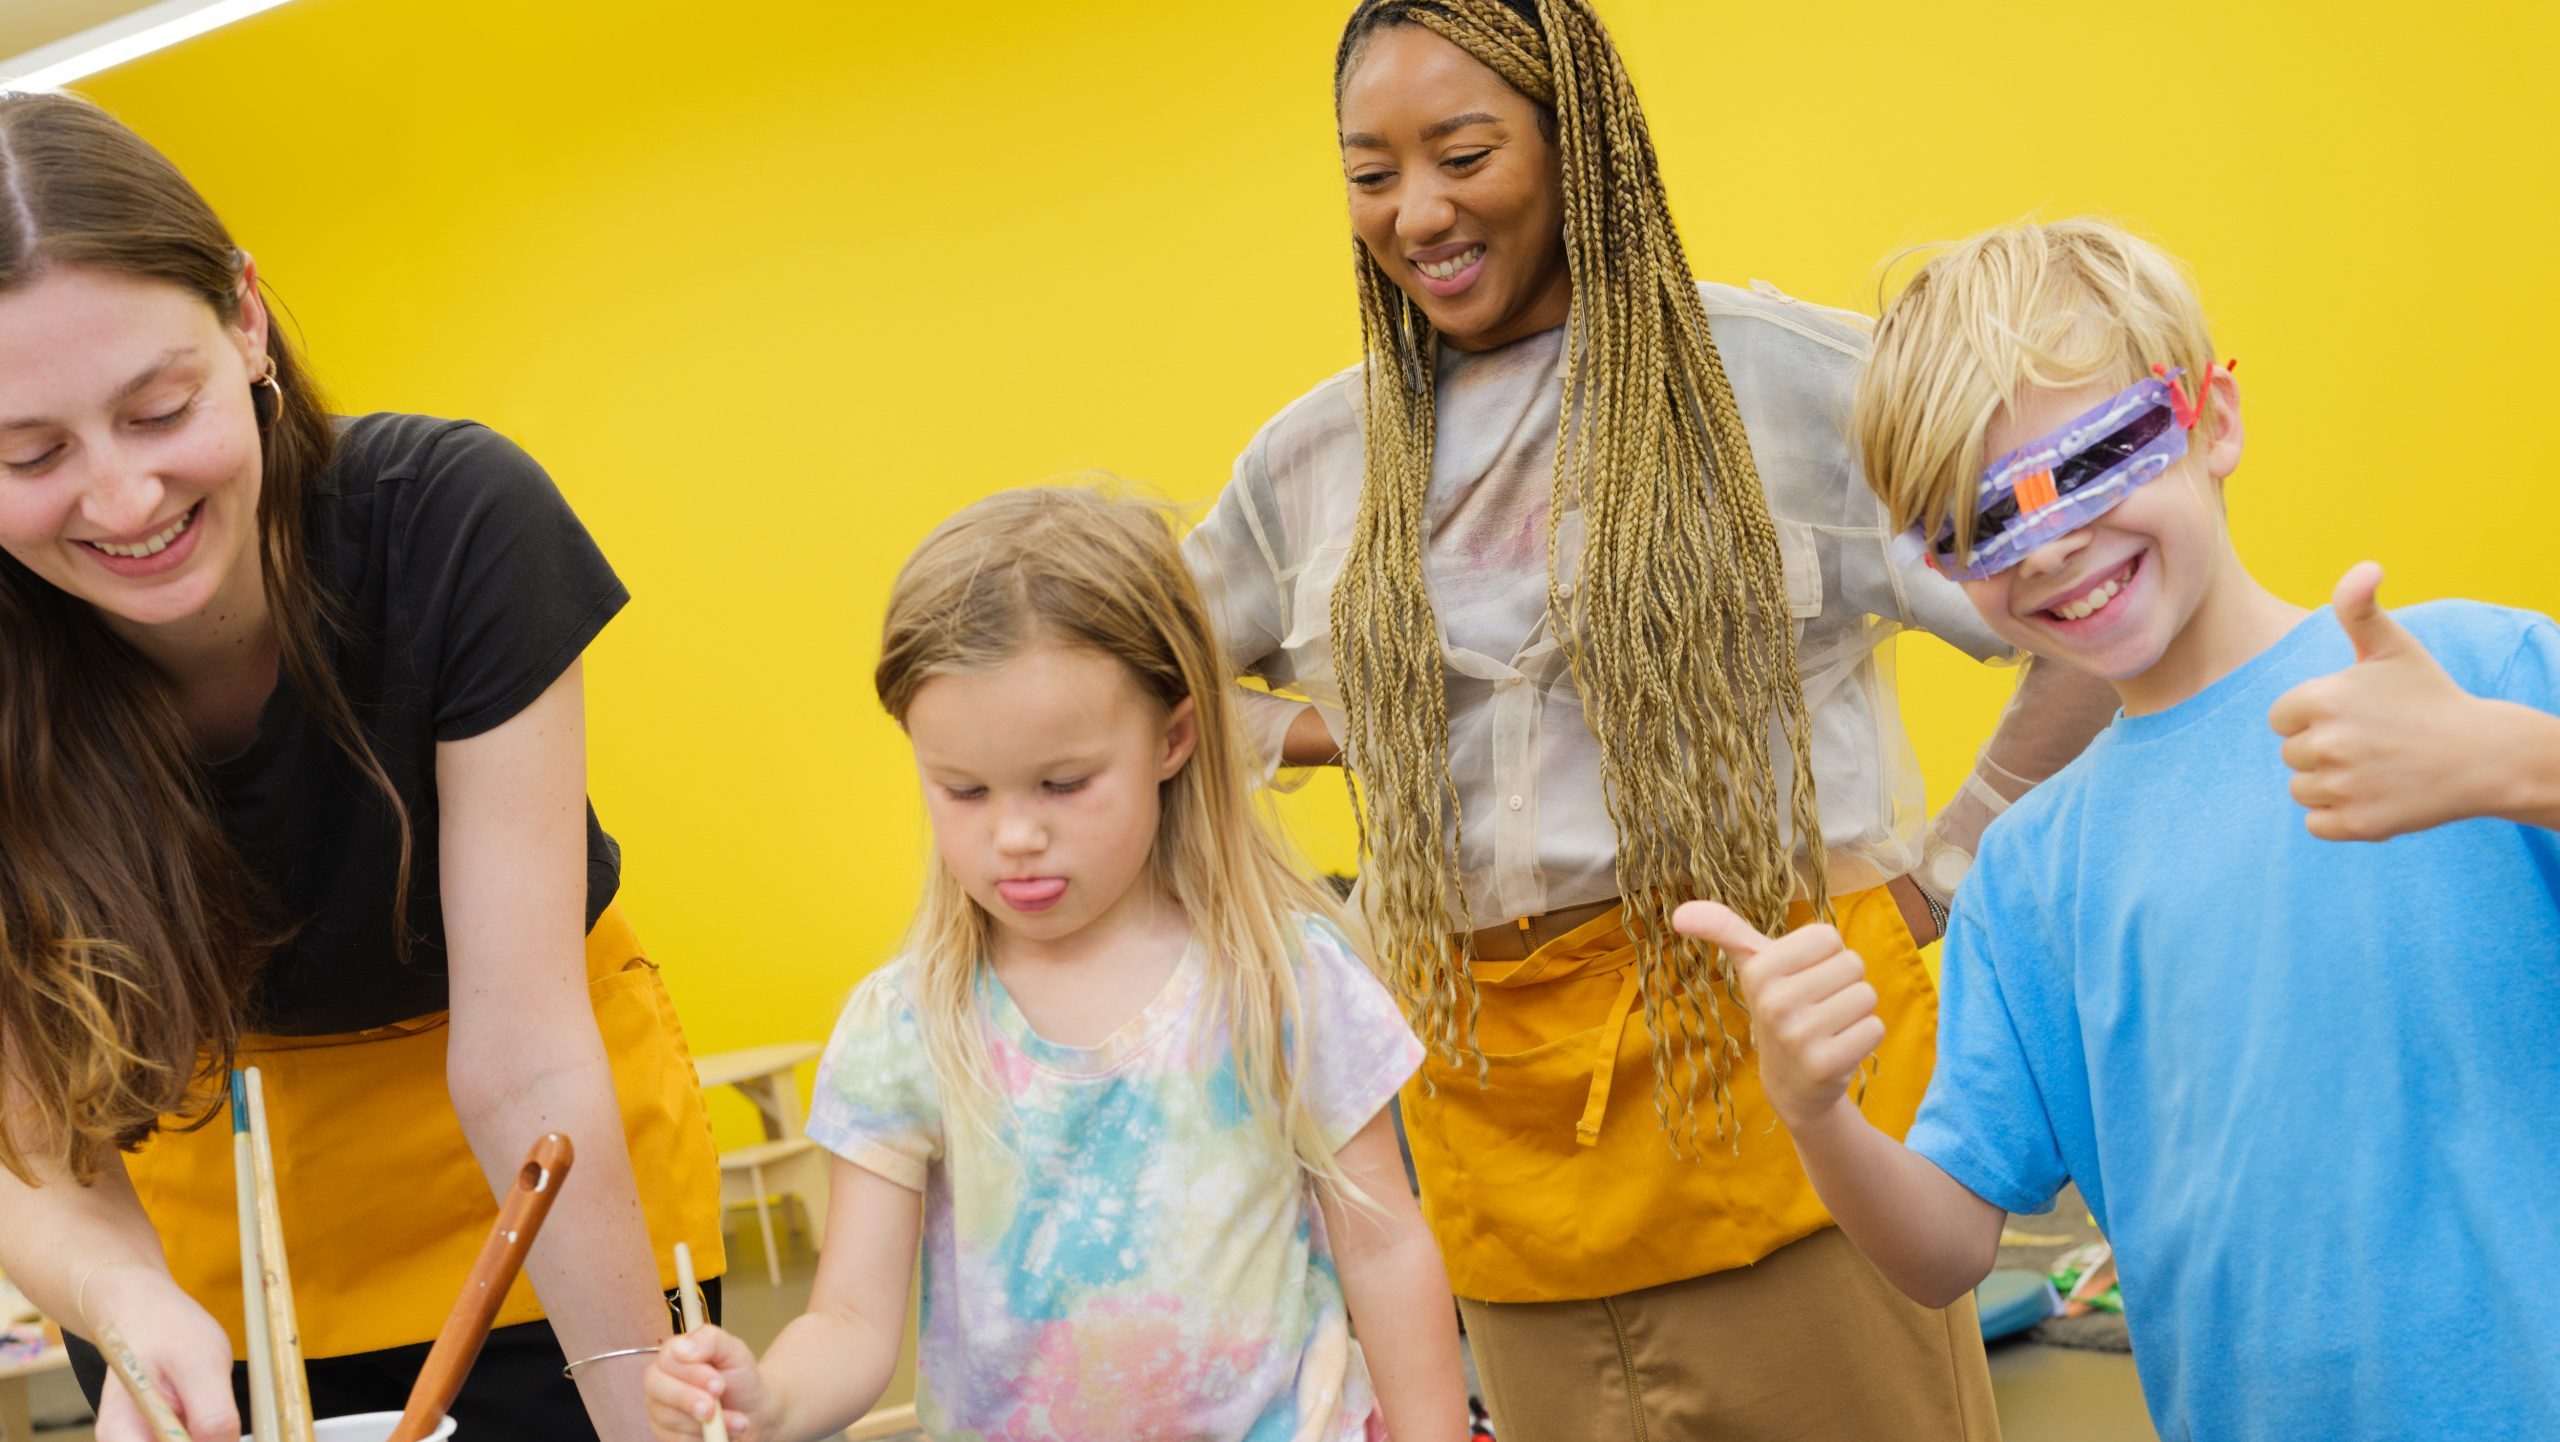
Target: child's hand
{"type": "Point", "coordinates": [1813, 1013]}
{"type": "Point", "coordinates": [2388, 745]}
{"type": "Point", "coordinates": [701, 1369]}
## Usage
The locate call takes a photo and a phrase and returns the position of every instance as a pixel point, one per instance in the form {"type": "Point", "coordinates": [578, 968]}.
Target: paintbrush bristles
{"type": "Point", "coordinates": [284, 1341]}
{"type": "Point", "coordinates": [164, 1422]}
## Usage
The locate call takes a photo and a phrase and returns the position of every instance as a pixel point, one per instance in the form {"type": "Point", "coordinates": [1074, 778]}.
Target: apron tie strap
{"type": "Point", "coordinates": [1604, 1066]}
{"type": "Point", "coordinates": [1585, 951]}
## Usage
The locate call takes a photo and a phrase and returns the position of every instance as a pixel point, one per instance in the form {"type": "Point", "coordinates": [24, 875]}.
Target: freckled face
{"type": "Point", "coordinates": [1455, 190]}
{"type": "Point", "coordinates": [129, 452]}
{"type": "Point", "coordinates": [2112, 597]}
{"type": "Point", "coordinates": [1043, 779]}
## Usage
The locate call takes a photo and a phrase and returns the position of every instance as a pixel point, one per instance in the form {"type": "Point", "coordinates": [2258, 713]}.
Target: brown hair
{"type": "Point", "coordinates": [1678, 628]}
{"type": "Point", "coordinates": [130, 929]}
{"type": "Point", "coordinates": [1073, 567]}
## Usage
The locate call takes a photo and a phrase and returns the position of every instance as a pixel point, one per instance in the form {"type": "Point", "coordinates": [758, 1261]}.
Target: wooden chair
{"type": "Point", "coordinates": [17, 1418]}
{"type": "Point", "coordinates": [786, 1162]}
{"type": "Point", "coordinates": [786, 1166]}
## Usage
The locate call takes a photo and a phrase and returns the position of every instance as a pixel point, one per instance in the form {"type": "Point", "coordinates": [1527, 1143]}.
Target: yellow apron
{"type": "Point", "coordinates": [1552, 1180]}
{"type": "Point", "coordinates": [384, 1206]}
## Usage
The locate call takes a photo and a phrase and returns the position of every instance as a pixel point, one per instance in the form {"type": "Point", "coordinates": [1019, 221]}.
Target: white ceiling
{"type": "Point", "coordinates": [28, 24]}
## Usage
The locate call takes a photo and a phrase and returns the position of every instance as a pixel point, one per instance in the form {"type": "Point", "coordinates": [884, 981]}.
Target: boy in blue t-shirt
{"type": "Point", "coordinates": [2311, 1090]}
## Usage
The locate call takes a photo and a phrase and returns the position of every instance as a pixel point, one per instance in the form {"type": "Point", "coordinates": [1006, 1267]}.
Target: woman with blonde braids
{"type": "Point", "coordinates": [1578, 683]}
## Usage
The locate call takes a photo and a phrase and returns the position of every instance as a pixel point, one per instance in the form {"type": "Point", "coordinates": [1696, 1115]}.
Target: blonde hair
{"type": "Point", "coordinates": [2052, 307]}
{"type": "Point", "coordinates": [1677, 627]}
{"type": "Point", "coordinates": [1072, 567]}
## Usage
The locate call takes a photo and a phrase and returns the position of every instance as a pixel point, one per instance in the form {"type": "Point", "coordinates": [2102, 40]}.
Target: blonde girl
{"type": "Point", "coordinates": [1127, 1079]}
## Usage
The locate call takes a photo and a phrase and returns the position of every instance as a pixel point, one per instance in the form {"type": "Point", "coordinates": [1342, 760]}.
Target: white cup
{"type": "Point", "coordinates": [366, 1427]}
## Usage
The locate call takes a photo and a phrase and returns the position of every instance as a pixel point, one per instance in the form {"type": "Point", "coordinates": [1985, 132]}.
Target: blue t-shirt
{"type": "Point", "coordinates": [2310, 1089]}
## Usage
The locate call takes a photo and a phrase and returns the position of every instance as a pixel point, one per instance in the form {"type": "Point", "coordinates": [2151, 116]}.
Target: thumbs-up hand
{"type": "Point", "coordinates": [2379, 749]}
{"type": "Point", "coordinates": [1813, 1013]}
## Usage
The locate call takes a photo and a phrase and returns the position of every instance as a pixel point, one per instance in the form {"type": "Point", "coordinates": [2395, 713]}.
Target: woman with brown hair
{"type": "Point", "coordinates": [292, 774]}
{"type": "Point", "coordinates": [1578, 683]}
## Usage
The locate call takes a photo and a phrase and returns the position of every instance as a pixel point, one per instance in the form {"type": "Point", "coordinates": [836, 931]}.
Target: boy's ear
{"type": "Point", "coordinates": [2222, 431]}
{"type": "Point", "coordinates": [1181, 738]}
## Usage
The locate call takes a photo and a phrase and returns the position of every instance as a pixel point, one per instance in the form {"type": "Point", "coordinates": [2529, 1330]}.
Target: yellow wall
{"type": "Point", "coordinates": [773, 287]}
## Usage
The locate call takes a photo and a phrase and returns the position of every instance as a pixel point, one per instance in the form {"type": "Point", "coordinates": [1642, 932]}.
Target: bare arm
{"type": "Point", "coordinates": [1310, 742]}
{"type": "Point", "coordinates": [2530, 794]}
{"type": "Point", "coordinates": [88, 1257]}
{"type": "Point", "coordinates": [1398, 1292]}
{"type": "Point", "coordinates": [1923, 1229]}
{"type": "Point", "coordinates": [1813, 1021]}
{"type": "Point", "coordinates": [831, 1363]}
{"type": "Point", "coordinates": [525, 1057]}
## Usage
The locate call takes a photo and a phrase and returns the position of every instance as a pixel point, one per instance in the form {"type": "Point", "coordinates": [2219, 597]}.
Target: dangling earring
{"type": "Point", "coordinates": [270, 405]}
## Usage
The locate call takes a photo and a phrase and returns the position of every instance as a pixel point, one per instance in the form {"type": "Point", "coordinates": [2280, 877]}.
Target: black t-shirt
{"type": "Point", "coordinates": [468, 587]}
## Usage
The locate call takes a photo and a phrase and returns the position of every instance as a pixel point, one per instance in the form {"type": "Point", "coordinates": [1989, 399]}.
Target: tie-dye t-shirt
{"type": "Point", "coordinates": [1132, 1260]}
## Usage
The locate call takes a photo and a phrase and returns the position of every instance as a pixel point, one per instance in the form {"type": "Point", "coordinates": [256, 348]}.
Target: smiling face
{"type": "Point", "coordinates": [1043, 779]}
{"type": "Point", "coordinates": [2137, 595]}
{"type": "Point", "coordinates": [129, 451]}
{"type": "Point", "coordinates": [1455, 189]}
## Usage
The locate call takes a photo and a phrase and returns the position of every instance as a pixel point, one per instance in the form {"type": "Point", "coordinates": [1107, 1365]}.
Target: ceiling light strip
{"type": "Point", "coordinates": [102, 47]}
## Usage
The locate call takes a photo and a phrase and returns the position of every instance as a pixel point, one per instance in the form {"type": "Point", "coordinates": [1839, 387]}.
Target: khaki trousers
{"type": "Point", "coordinates": [1810, 1344]}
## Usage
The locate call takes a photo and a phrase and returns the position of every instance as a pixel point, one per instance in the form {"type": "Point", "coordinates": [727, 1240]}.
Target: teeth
{"type": "Point", "coordinates": [1448, 269]}
{"type": "Point", "coordinates": [2090, 604]}
{"type": "Point", "coordinates": [154, 545]}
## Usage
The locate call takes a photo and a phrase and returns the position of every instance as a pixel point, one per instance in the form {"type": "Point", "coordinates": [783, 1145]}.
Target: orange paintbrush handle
{"type": "Point", "coordinates": [458, 1345]}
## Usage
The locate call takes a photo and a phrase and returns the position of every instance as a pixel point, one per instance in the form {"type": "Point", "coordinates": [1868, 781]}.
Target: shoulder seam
{"type": "Point", "coordinates": [1783, 323]}
{"type": "Point", "coordinates": [1308, 397]}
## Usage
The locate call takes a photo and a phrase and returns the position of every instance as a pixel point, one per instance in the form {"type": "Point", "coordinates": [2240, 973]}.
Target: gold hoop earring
{"type": "Point", "coordinates": [271, 405]}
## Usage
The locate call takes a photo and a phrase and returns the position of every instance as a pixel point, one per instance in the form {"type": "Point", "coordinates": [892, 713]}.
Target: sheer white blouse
{"type": "Point", "coordinates": [1536, 834]}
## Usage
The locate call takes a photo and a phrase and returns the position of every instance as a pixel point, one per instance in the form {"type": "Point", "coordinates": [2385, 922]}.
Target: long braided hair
{"type": "Point", "coordinates": [1677, 629]}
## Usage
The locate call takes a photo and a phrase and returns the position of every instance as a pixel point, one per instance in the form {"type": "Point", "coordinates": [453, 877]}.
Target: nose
{"type": "Point", "coordinates": [123, 497]}
{"type": "Point", "coordinates": [1020, 832]}
{"type": "Point", "coordinates": [2054, 556]}
{"type": "Point", "coordinates": [1424, 211]}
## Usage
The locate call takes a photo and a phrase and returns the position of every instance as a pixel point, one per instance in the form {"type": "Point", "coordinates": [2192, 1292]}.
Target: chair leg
{"type": "Point", "coordinates": [17, 1419]}
{"type": "Point", "coordinates": [764, 1219]}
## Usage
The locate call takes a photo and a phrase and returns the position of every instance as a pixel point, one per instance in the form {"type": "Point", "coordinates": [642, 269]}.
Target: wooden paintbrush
{"type": "Point", "coordinates": [520, 1216]}
{"type": "Point", "coordinates": [164, 1422]}
{"type": "Point", "coordinates": [284, 1333]}
{"type": "Point", "coordinates": [253, 1281]}
{"type": "Point", "coordinates": [715, 1428]}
